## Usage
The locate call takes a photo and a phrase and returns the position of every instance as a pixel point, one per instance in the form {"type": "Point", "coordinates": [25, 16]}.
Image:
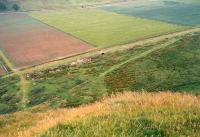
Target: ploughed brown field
{"type": "Point", "coordinates": [27, 42]}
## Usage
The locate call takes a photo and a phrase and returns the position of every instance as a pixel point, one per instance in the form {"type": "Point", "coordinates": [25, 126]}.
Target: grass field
{"type": "Point", "coordinates": [177, 12]}
{"type": "Point", "coordinates": [26, 41]}
{"type": "Point", "coordinates": [104, 29]}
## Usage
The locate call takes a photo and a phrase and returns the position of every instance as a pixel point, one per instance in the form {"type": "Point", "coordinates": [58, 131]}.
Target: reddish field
{"type": "Point", "coordinates": [26, 41]}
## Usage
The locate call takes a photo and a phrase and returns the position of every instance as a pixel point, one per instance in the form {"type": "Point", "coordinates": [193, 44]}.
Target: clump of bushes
{"type": "Point", "coordinates": [7, 5]}
{"type": "Point", "coordinates": [16, 7]}
{"type": "Point", "coordinates": [2, 6]}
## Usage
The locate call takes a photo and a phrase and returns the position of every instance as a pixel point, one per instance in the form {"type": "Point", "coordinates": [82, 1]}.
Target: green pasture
{"type": "Point", "coordinates": [104, 29]}
{"type": "Point", "coordinates": [176, 12]}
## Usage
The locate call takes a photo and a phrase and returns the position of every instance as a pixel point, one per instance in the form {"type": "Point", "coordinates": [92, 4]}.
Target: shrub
{"type": "Point", "coordinates": [2, 6]}
{"type": "Point", "coordinates": [16, 7]}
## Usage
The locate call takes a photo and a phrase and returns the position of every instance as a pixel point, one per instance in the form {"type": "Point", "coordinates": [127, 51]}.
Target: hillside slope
{"type": "Point", "coordinates": [126, 114]}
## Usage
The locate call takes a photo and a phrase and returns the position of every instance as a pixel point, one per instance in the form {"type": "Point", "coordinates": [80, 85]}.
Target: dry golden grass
{"type": "Point", "coordinates": [124, 102]}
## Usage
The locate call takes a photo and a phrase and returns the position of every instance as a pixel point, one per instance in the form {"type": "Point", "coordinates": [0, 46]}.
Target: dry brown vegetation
{"type": "Point", "coordinates": [39, 122]}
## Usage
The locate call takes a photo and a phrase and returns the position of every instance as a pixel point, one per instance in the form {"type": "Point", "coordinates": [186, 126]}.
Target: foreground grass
{"type": "Point", "coordinates": [138, 114]}
{"type": "Point", "coordinates": [127, 114]}
{"type": "Point", "coordinates": [104, 29]}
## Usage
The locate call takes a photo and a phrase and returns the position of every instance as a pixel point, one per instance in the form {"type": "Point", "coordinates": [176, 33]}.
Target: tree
{"type": "Point", "coordinates": [16, 7]}
{"type": "Point", "coordinates": [2, 6]}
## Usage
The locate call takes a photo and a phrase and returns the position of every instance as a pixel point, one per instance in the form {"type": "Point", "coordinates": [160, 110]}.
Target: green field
{"type": "Point", "coordinates": [104, 29]}
{"type": "Point", "coordinates": [176, 12]}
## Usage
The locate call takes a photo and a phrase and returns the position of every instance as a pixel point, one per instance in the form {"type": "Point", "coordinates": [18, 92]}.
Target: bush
{"type": "Point", "coordinates": [16, 7]}
{"type": "Point", "coordinates": [2, 6]}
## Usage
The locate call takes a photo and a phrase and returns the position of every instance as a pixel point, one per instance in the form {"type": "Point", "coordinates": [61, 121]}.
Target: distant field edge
{"type": "Point", "coordinates": [69, 34]}
{"type": "Point", "coordinates": [57, 59]}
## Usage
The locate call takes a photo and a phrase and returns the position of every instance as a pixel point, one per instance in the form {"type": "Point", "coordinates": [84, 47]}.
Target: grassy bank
{"type": "Point", "coordinates": [128, 114]}
{"type": "Point", "coordinates": [138, 114]}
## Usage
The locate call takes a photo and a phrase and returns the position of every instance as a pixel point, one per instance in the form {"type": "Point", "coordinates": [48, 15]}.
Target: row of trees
{"type": "Point", "coordinates": [4, 3]}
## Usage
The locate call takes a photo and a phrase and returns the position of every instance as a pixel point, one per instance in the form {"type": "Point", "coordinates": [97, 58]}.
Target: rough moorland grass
{"type": "Point", "coordinates": [136, 115]}
{"type": "Point", "coordinates": [127, 114]}
{"type": "Point", "coordinates": [75, 85]}
{"type": "Point", "coordinates": [10, 98]}
{"type": "Point", "coordinates": [175, 68]}
{"type": "Point", "coordinates": [104, 29]}
{"type": "Point", "coordinates": [166, 11]}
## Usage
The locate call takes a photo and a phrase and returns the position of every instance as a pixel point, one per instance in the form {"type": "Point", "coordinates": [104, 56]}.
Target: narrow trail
{"type": "Point", "coordinates": [158, 47]}
{"type": "Point", "coordinates": [24, 85]}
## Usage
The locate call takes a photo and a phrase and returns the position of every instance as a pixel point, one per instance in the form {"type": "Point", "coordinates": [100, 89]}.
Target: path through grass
{"type": "Point", "coordinates": [157, 47]}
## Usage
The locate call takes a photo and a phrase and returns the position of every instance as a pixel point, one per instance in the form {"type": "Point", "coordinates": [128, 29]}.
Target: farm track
{"type": "Point", "coordinates": [24, 85]}
{"type": "Point", "coordinates": [144, 54]}
{"type": "Point", "coordinates": [106, 50]}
